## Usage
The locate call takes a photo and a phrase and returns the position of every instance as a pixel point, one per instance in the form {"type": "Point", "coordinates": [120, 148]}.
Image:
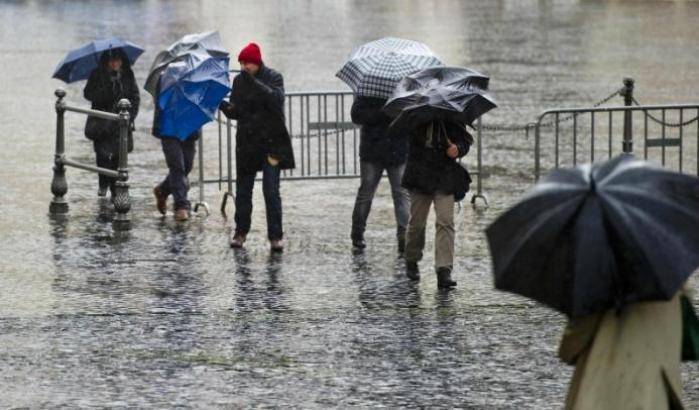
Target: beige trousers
{"type": "Point", "coordinates": [444, 236]}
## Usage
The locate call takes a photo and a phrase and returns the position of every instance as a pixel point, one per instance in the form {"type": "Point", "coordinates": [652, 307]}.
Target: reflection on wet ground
{"type": "Point", "coordinates": [168, 314]}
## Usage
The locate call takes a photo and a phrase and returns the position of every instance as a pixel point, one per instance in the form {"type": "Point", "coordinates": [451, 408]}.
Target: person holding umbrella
{"type": "Point", "coordinates": [434, 105]}
{"type": "Point", "coordinates": [106, 64]}
{"type": "Point", "coordinates": [372, 71]}
{"type": "Point", "coordinates": [611, 246]}
{"type": "Point", "coordinates": [188, 81]}
{"type": "Point", "coordinates": [262, 143]}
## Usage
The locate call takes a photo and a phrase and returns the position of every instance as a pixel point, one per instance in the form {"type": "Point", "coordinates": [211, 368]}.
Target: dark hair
{"type": "Point", "coordinates": [112, 54]}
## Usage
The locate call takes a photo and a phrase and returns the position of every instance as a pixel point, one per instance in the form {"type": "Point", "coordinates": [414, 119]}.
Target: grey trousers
{"type": "Point", "coordinates": [444, 237]}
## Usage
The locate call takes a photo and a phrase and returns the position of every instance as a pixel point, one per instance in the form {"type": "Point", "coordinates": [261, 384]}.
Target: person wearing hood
{"type": "Point", "coordinates": [110, 82]}
{"type": "Point", "coordinates": [262, 142]}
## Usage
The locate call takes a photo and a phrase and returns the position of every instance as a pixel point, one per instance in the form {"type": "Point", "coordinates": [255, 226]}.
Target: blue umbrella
{"type": "Point", "coordinates": [79, 63]}
{"type": "Point", "coordinates": [191, 90]}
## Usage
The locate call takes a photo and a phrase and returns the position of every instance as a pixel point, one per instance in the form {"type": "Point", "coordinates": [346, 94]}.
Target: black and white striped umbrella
{"type": "Point", "coordinates": [375, 68]}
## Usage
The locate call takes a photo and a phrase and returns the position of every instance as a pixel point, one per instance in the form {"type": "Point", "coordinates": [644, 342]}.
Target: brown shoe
{"type": "Point", "coordinates": [238, 240]}
{"type": "Point", "coordinates": [181, 215]}
{"type": "Point", "coordinates": [160, 200]}
{"type": "Point", "coordinates": [277, 245]}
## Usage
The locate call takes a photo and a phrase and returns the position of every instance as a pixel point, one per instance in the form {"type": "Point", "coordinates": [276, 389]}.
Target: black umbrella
{"type": "Point", "coordinates": [602, 236]}
{"type": "Point", "coordinates": [439, 93]}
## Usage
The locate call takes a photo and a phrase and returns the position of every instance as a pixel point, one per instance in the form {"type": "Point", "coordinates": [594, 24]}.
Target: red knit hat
{"type": "Point", "coordinates": [250, 54]}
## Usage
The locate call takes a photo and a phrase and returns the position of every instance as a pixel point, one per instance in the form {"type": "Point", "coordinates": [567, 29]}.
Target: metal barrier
{"type": "Point", "coordinates": [325, 142]}
{"type": "Point", "coordinates": [591, 124]}
{"type": "Point", "coordinates": [59, 185]}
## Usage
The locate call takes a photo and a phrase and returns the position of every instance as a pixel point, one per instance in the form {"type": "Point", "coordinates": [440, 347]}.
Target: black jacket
{"type": "Point", "coordinates": [257, 104]}
{"type": "Point", "coordinates": [375, 144]}
{"type": "Point", "coordinates": [429, 170]}
{"type": "Point", "coordinates": [104, 89]}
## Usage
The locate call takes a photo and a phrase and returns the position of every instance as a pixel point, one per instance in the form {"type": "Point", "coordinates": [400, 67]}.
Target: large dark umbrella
{"type": "Point", "coordinates": [199, 43]}
{"type": "Point", "coordinates": [598, 237]}
{"type": "Point", "coordinates": [439, 93]}
{"type": "Point", "coordinates": [79, 63]}
{"type": "Point", "coordinates": [373, 69]}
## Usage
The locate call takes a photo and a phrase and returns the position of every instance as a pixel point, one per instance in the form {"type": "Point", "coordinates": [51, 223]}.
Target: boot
{"type": "Point", "coordinates": [277, 245]}
{"type": "Point", "coordinates": [238, 240]}
{"type": "Point", "coordinates": [160, 200]}
{"type": "Point", "coordinates": [181, 215]}
{"type": "Point", "coordinates": [444, 280]}
{"type": "Point", "coordinates": [358, 243]}
{"type": "Point", "coordinates": [412, 271]}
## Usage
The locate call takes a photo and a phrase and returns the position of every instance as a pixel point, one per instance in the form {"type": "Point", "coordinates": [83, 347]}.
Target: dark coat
{"type": "Point", "coordinates": [375, 144]}
{"type": "Point", "coordinates": [104, 89]}
{"type": "Point", "coordinates": [257, 104]}
{"type": "Point", "coordinates": [429, 170]}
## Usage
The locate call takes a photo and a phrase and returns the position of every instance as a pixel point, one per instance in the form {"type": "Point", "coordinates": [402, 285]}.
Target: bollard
{"type": "Point", "coordinates": [59, 185]}
{"type": "Point", "coordinates": [122, 202]}
{"type": "Point", "coordinates": [627, 93]}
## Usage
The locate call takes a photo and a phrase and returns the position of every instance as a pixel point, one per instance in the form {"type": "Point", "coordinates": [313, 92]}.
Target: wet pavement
{"type": "Point", "coordinates": [167, 314]}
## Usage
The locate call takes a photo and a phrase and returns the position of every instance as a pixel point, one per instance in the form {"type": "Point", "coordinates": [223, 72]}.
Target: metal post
{"type": "Point", "coordinates": [479, 183]}
{"type": "Point", "coordinates": [59, 185]}
{"type": "Point", "coordinates": [537, 160]}
{"type": "Point", "coordinates": [627, 93]}
{"type": "Point", "coordinates": [122, 202]}
{"type": "Point", "coordinates": [229, 158]}
{"type": "Point", "coordinates": [201, 202]}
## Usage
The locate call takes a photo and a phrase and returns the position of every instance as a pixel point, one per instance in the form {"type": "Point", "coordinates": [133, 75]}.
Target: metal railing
{"type": "Point", "coordinates": [595, 131]}
{"type": "Point", "coordinates": [59, 184]}
{"type": "Point", "coordinates": [325, 143]}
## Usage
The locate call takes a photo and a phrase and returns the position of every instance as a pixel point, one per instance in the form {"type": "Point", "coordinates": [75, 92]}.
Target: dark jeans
{"type": "Point", "coordinates": [107, 156]}
{"type": "Point", "coordinates": [370, 174]}
{"type": "Point", "coordinates": [179, 156]}
{"type": "Point", "coordinates": [244, 185]}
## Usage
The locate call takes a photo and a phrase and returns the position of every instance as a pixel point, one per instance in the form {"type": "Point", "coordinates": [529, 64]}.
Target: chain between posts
{"type": "Point", "coordinates": [528, 126]}
{"type": "Point", "coordinates": [665, 123]}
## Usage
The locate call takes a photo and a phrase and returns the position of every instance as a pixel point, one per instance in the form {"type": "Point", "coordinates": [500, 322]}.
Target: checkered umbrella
{"type": "Point", "coordinates": [374, 69]}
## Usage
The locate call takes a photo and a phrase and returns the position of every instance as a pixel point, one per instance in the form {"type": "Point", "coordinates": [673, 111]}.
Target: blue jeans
{"type": "Point", "coordinates": [244, 185]}
{"type": "Point", "coordinates": [370, 174]}
{"type": "Point", "coordinates": [179, 156]}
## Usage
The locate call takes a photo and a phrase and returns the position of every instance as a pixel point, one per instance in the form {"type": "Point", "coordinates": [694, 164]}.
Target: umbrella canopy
{"type": "Point", "coordinates": [439, 93]}
{"type": "Point", "coordinates": [598, 237]}
{"type": "Point", "coordinates": [374, 69]}
{"type": "Point", "coordinates": [207, 43]}
{"type": "Point", "coordinates": [190, 92]}
{"type": "Point", "coordinates": [79, 63]}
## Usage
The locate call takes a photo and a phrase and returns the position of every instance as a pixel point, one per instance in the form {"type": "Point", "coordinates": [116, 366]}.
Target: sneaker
{"type": "Point", "coordinates": [277, 245]}
{"type": "Point", "coordinates": [412, 271]}
{"type": "Point", "coordinates": [160, 200]}
{"type": "Point", "coordinates": [181, 215]}
{"type": "Point", "coordinates": [238, 240]}
{"type": "Point", "coordinates": [444, 280]}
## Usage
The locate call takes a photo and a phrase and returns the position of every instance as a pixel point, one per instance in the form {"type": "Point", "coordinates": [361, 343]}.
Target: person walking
{"type": "Point", "coordinates": [433, 176]}
{"type": "Point", "coordinates": [262, 143]}
{"type": "Point", "coordinates": [378, 152]}
{"type": "Point", "coordinates": [179, 157]}
{"type": "Point", "coordinates": [110, 82]}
